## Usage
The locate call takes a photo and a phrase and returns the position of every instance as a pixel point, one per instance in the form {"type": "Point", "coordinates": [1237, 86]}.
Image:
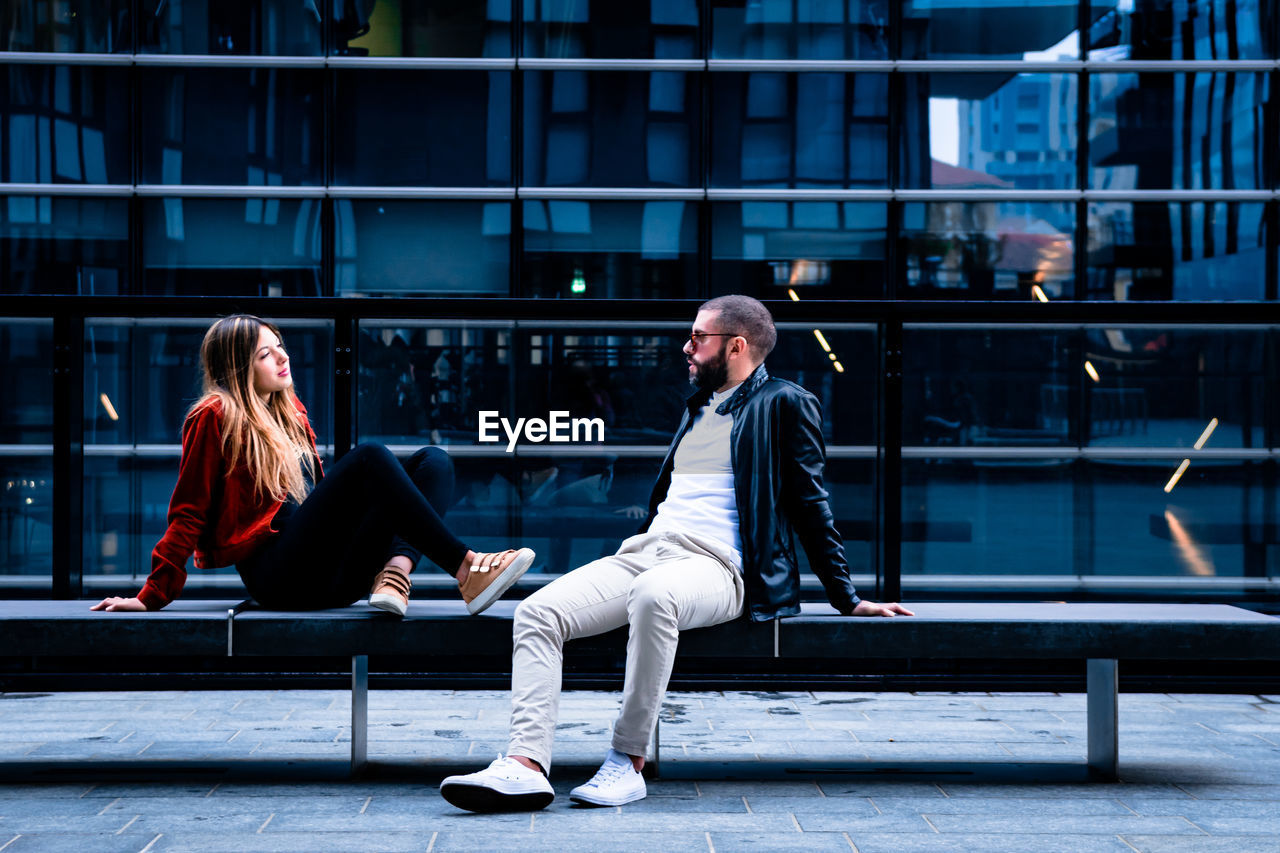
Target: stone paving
{"type": "Point", "coordinates": [1198, 773]}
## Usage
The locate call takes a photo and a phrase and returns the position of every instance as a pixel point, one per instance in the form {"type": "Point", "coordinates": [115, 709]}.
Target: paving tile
{"type": "Point", "coordinates": [822, 842]}
{"type": "Point", "coordinates": [587, 842]}
{"type": "Point", "coordinates": [1202, 844]}
{"type": "Point", "coordinates": [301, 842]}
{"type": "Point", "coordinates": [891, 805]}
{"type": "Point", "coordinates": [78, 842]}
{"type": "Point", "coordinates": [1064, 824]}
{"type": "Point", "coordinates": [888, 842]}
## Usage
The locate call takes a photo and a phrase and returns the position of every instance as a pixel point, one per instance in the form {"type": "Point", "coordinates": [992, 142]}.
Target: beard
{"type": "Point", "coordinates": [711, 374]}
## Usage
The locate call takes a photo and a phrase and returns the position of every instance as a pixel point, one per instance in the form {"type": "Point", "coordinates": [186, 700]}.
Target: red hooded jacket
{"type": "Point", "coordinates": [214, 513]}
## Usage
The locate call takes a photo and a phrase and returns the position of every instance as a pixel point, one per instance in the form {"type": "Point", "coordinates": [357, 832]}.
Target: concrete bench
{"type": "Point", "coordinates": [1099, 634]}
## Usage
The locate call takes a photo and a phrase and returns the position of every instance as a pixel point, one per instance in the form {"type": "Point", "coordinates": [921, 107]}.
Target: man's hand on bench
{"type": "Point", "coordinates": [871, 608]}
{"type": "Point", "coordinates": [117, 603]}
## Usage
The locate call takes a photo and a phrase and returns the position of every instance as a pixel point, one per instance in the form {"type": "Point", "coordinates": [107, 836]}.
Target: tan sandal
{"type": "Point", "coordinates": [491, 575]}
{"type": "Point", "coordinates": [391, 590]}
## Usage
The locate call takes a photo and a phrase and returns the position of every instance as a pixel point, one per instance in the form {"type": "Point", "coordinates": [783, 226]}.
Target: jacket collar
{"type": "Point", "coordinates": [738, 399]}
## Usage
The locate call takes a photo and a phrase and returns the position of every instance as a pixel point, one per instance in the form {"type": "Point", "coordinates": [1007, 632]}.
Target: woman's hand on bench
{"type": "Point", "coordinates": [117, 603]}
{"type": "Point", "coordinates": [871, 608]}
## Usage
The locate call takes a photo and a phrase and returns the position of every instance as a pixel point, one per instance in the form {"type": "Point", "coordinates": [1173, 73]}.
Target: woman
{"type": "Point", "coordinates": [251, 492]}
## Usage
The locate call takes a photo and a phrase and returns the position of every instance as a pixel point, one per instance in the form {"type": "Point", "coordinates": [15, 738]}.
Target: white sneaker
{"type": "Point", "coordinates": [615, 783]}
{"type": "Point", "coordinates": [505, 785]}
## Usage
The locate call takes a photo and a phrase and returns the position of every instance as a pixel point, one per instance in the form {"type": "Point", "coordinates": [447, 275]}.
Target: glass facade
{"type": "Point", "coordinates": [915, 154]}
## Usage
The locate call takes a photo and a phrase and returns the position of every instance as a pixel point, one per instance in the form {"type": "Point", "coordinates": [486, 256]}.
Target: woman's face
{"type": "Point", "coordinates": [270, 364]}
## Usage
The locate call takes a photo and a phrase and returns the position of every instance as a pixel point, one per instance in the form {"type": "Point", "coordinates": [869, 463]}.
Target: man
{"type": "Point", "coordinates": [743, 473]}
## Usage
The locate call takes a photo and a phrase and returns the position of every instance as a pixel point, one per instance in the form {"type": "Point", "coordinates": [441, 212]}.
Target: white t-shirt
{"type": "Point", "coordinates": [701, 498]}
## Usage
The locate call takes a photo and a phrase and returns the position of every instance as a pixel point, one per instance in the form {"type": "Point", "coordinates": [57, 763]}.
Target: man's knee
{"type": "Point", "coordinates": [649, 594]}
{"type": "Point", "coordinates": [535, 615]}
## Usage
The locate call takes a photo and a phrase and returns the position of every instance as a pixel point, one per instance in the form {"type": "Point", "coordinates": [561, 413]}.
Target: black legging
{"type": "Point", "coordinates": [367, 508]}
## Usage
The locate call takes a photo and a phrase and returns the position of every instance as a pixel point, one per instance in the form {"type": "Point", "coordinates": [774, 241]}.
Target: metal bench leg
{"type": "Point", "coordinates": [359, 712]}
{"type": "Point", "coordinates": [1103, 715]}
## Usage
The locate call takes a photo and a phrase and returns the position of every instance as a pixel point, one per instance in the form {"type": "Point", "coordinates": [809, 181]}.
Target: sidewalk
{"type": "Point", "coordinates": [1198, 773]}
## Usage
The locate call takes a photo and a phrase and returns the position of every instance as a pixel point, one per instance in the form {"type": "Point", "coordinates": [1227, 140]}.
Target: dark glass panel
{"type": "Point", "coordinates": [422, 128]}
{"type": "Point", "coordinates": [64, 124]}
{"type": "Point", "coordinates": [611, 128]}
{"type": "Point", "coordinates": [799, 130]}
{"type": "Point", "coordinates": [1161, 387]}
{"type": "Point", "coordinates": [426, 383]}
{"type": "Point", "coordinates": [1179, 131]}
{"type": "Point", "coordinates": [423, 28]}
{"type": "Point", "coordinates": [610, 249]}
{"type": "Point", "coordinates": [1209, 525]}
{"type": "Point", "coordinates": [26, 516]}
{"type": "Point", "coordinates": [66, 26]}
{"type": "Point", "coordinates": [61, 244]}
{"type": "Point", "coordinates": [218, 27]}
{"type": "Point", "coordinates": [988, 29]}
{"type": "Point", "coordinates": [243, 127]}
{"type": "Point", "coordinates": [141, 377]}
{"type": "Point", "coordinates": [1184, 250]}
{"type": "Point", "coordinates": [1187, 29]}
{"type": "Point", "coordinates": [972, 131]}
{"type": "Point", "coordinates": [988, 250]}
{"type": "Point", "coordinates": [26, 383]}
{"type": "Point", "coordinates": [988, 517]}
{"type": "Point", "coordinates": [604, 29]}
{"type": "Point", "coordinates": [993, 387]}
{"type": "Point", "coordinates": [217, 246]}
{"type": "Point", "coordinates": [824, 29]}
{"type": "Point", "coordinates": [837, 365]}
{"type": "Point", "coordinates": [421, 247]}
{"type": "Point", "coordinates": [820, 249]}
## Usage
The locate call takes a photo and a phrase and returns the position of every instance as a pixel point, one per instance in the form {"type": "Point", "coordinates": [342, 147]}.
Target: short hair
{"type": "Point", "coordinates": [747, 317]}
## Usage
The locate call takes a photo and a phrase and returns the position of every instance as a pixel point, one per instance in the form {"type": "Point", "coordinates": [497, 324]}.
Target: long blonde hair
{"type": "Point", "coordinates": [271, 438]}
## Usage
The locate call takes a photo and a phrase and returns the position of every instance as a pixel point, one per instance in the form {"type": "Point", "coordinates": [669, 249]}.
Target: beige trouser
{"type": "Point", "coordinates": [659, 584]}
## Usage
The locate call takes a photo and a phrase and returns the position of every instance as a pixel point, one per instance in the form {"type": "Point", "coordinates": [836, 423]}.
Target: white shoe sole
{"type": "Point", "coordinates": [523, 560]}
{"type": "Point", "coordinates": [390, 603]}
{"type": "Point", "coordinates": [590, 799]}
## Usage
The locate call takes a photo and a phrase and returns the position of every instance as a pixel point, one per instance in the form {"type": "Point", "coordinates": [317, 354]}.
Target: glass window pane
{"type": "Point", "coordinates": [989, 29]}
{"type": "Point", "coordinates": [1185, 250]}
{"type": "Point", "coordinates": [62, 244]}
{"type": "Point", "coordinates": [423, 382]}
{"type": "Point", "coordinates": [822, 29]}
{"type": "Point", "coordinates": [647, 29]}
{"type": "Point", "coordinates": [67, 26]}
{"type": "Point", "coordinates": [255, 127]}
{"type": "Point", "coordinates": [1209, 525]}
{"type": "Point", "coordinates": [819, 249]}
{"type": "Point", "coordinates": [64, 124]}
{"type": "Point", "coordinates": [610, 249]}
{"type": "Point", "coordinates": [423, 28]}
{"type": "Point", "coordinates": [990, 131]}
{"type": "Point", "coordinates": [421, 247]}
{"type": "Point", "coordinates": [1161, 387]}
{"type": "Point", "coordinates": [988, 250]}
{"type": "Point", "coordinates": [26, 383]}
{"type": "Point", "coordinates": [985, 516]}
{"type": "Point", "coordinates": [216, 246]}
{"type": "Point", "coordinates": [1188, 29]}
{"type": "Point", "coordinates": [216, 27]}
{"type": "Point", "coordinates": [422, 128]}
{"type": "Point", "coordinates": [799, 130]}
{"type": "Point", "coordinates": [992, 387]}
{"type": "Point", "coordinates": [611, 128]}
{"type": "Point", "coordinates": [26, 518]}
{"type": "Point", "coordinates": [1178, 131]}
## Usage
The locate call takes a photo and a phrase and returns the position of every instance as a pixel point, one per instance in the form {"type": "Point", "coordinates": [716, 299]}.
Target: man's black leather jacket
{"type": "Point", "coordinates": [778, 456]}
